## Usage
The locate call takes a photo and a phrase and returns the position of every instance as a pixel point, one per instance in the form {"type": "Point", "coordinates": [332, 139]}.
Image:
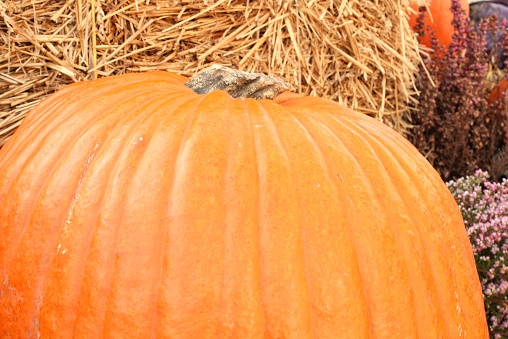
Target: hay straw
{"type": "Point", "coordinates": [361, 53]}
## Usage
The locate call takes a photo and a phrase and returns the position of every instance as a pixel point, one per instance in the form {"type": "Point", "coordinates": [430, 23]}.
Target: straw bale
{"type": "Point", "coordinates": [361, 53]}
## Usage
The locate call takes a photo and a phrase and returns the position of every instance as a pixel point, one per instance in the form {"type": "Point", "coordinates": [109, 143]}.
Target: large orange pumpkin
{"type": "Point", "coordinates": [132, 207]}
{"type": "Point", "coordinates": [439, 19]}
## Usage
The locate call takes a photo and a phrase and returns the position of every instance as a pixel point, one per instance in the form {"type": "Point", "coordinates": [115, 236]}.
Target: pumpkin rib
{"type": "Point", "coordinates": [273, 166]}
{"type": "Point", "coordinates": [40, 140]}
{"type": "Point", "coordinates": [128, 135]}
{"type": "Point", "coordinates": [32, 223]}
{"type": "Point", "coordinates": [171, 322]}
{"type": "Point", "coordinates": [431, 175]}
{"type": "Point", "coordinates": [52, 174]}
{"type": "Point", "coordinates": [367, 136]}
{"type": "Point", "coordinates": [325, 165]}
{"type": "Point", "coordinates": [365, 181]}
{"type": "Point", "coordinates": [414, 181]}
{"type": "Point", "coordinates": [240, 224]}
{"type": "Point", "coordinates": [191, 187]}
{"type": "Point", "coordinates": [148, 109]}
{"type": "Point", "coordinates": [427, 248]}
{"type": "Point", "coordinates": [433, 287]}
{"type": "Point", "coordinates": [36, 120]}
{"type": "Point", "coordinates": [242, 314]}
{"type": "Point", "coordinates": [443, 311]}
{"type": "Point", "coordinates": [325, 124]}
{"type": "Point", "coordinates": [92, 123]}
{"type": "Point", "coordinates": [8, 259]}
{"type": "Point", "coordinates": [165, 211]}
{"type": "Point", "coordinates": [50, 104]}
{"type": "Point", "coordinates": [21, 170]}
{"type": "Point", "coordinates": [352, 126]}
{"type": "Point", "coordinates": [25, 143]}
{"type": "Point", "coordinates": [126, 157]}
{"type": "Point", "coordinates": [380, 148]}
{"type": "Point", "coordinates": [308, 138]}
{"type": "Point", "coordinates": [249, 113]}
{"type": "Point", "coordinates": [18, 165]}
{"type": "Point", "coordinates": [116, 171]}
{"type": "Point", "coordinates": [58, 278]}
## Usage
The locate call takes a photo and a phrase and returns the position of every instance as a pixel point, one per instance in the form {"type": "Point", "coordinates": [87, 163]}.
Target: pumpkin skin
{"type": "Point", "coordinates": [133, 208]}
{"type": "Point", "coordinates": [441, 22]}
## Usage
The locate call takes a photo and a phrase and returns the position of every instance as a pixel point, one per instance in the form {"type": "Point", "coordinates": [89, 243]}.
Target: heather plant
{"type": "Point", "coordinates": [484, 207]}
{"type": "Point", "coordinates": [455, 126]}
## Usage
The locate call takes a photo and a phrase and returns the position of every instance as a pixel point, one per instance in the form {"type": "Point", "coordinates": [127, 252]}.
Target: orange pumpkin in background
{"type": "Point", "coordinates": [498, 92]}
{"type": "Point", "coordinates": [133, 207]}
{"type": "Point", "coordinates": [441, 21]}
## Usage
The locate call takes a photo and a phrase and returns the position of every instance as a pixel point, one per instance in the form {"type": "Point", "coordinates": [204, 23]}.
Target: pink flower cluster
{"type": "Point", "coordinates": [484, 207]}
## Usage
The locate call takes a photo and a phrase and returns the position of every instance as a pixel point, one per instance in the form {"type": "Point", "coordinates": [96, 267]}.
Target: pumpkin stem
{"type": "Point", "coordinates": [237, 83]}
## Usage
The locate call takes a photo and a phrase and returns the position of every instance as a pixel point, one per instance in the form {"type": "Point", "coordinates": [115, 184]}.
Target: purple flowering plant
{"type": "Point", "coordinates": [454, 124]}
{"type": "Point", "coordinates": [484, 208]}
